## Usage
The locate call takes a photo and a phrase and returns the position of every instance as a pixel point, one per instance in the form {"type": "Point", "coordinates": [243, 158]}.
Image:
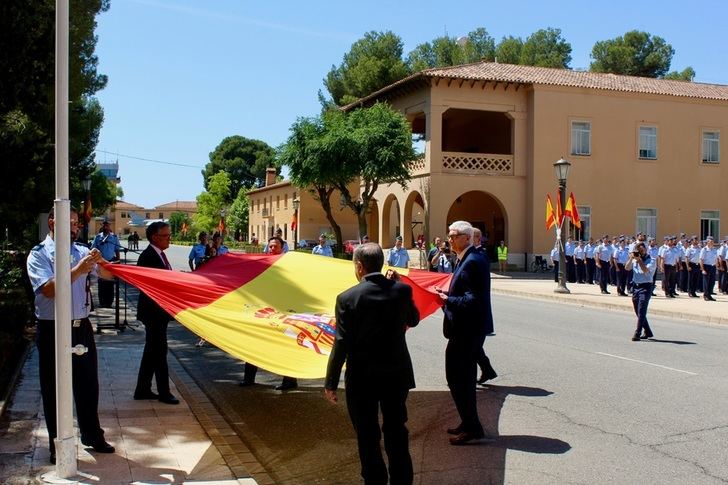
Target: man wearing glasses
{"type": "Point", "coordinates": [468, 319]}
{"type": "Point", "coordinates": [155, 320]}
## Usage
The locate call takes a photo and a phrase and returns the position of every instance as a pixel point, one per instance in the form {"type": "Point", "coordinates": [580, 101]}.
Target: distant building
{"type": "Point", "coordinates": [126, 218]}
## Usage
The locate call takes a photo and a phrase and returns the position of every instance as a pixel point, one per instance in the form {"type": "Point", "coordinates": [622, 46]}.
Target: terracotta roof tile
{"type": "Point", "coordinates": [496, 72]}
{"type": "Point", "coordinates": [179, 204]}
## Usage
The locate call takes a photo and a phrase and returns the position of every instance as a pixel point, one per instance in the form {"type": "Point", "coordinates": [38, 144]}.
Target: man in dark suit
{"type": "Point", "coordinates": [155, 320]}
{"type": "Point", "coordinates": [468, 319]}
{"type": "Point", "coordinates": [371, 320]}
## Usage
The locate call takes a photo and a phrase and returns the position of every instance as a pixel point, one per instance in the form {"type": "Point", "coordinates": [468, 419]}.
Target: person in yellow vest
{"type": "Point", "coordinates": [502, 256]}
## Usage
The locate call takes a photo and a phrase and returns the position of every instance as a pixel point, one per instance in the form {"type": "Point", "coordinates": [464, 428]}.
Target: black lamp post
{"type": "Point", "coordinates": [562, 167]}
{"type": "Point", "coordinates": [86, 216]}
{"type": "Point", "coordinates": [296, 205]}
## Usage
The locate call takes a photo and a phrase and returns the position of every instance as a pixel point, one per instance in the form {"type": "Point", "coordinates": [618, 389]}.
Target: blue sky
{"type": "Point", "coordinates": [185, 74]}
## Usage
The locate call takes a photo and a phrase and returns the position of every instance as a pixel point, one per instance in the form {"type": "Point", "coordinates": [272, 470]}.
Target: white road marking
{"type": "Point", "coordinates": [648, 363]}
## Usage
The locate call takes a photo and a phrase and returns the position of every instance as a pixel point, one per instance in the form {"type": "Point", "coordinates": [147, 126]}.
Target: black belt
{"type": "Point", "coordinates": [643, 285]}
{"type": "Point", "coordinates": [76, 322]}
{"type": "Point", "coordinates": [670, 265]}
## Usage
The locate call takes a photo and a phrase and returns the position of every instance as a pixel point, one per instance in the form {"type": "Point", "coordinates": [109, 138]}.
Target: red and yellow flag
{"type": "Point", "coordinates": [274, 311]}
{"type": "Point", "coordinates": [221, 226]}
{"type": "Point", "coordinates": [550, 216]}
{"type": "Point", "coordinates": [572, 212]}
{"type": "Point", "coordinates": [559, 212]}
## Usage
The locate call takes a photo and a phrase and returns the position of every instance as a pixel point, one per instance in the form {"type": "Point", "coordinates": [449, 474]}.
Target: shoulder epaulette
{"type": "Point", "coordinates": [38, 247]}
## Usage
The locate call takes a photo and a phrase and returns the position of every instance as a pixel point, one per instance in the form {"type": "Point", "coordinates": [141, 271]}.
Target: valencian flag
{"type": "Point", "coordinates": [274, 311]}
{"type": "Point", "coordinates": [550, 216]}
{"type": "Point", "coordinates": [572, 212]}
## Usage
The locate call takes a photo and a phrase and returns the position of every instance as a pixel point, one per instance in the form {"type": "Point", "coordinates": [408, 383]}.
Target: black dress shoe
{"type": "Point", "coordinates": [100, 446]}
{"type": "Point", "coordinates": [140, 396]}
{"type": "Point", "coordinates": [486, 377]}
{"type": "Point", "coordinates": [646, 335]}
{"type": "Point", "coordinates": [168, 399]}
{"type": "Point", "coordinates": [465, 438]}
{"type": "Point", "coordinates": [455, 431]}
{"type": "Point", "coordinates": [635, 338]}
{"type": "Point", "coordinates": [288, 383]}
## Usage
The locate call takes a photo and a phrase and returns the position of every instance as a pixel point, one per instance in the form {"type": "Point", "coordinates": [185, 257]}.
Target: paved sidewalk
{"type": "Point", "coordinates": [155, 442]}
{"type": "Point", "coordinates": [683, 307]}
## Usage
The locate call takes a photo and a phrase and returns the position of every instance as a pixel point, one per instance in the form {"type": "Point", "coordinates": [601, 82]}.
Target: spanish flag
{"type": "Point", "coordinates": [550, 216]}
{"type": "Point", "coordinates": [559, 212]}
{"type": "Point", "coordinates": [274, 311]}
{"type": "Point", "coordinates": [572, 212]}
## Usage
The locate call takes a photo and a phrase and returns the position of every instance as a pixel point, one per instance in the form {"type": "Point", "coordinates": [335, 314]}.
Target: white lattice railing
{"type": "Point", "coordinates": [417, 166]}
{"type": "Point", "coordinates": [477, 163]}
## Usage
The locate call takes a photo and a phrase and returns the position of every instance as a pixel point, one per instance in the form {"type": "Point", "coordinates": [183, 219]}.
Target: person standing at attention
{"type": "Point", "coordinates": [468, 319]}
{"type": "Point", "coordinates": [106, 242]}
{"type": "Point", "coordinates": [322, 248]}
{"type": "Point", "coordinates": [198, 251]}
{"type": "Point", "coordinates": [398, 256]}
{"type": "Point", "coordinates": [40, 265]}
{"type": "Point", "coordinates": [155, 320]}
{"type": "Point", "coordinates": [371, 320]}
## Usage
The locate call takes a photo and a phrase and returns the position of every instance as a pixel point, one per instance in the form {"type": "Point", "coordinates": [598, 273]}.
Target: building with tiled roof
{"type": "Point", "coordinates": [646, 154]}
{"type": "Point", "coordinates": [126, 217]}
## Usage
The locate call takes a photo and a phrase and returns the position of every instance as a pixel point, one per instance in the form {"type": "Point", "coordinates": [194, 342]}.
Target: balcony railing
{"type": "Point", "coordinates": [417, 167]}
{"type": "Point", "coordinates": [477, 163]}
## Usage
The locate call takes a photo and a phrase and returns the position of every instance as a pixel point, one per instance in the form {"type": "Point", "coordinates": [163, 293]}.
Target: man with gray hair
{"type": "Point", "coordinates": [371, 320]}
{"type": "Point", "coordinates": [468, 319]}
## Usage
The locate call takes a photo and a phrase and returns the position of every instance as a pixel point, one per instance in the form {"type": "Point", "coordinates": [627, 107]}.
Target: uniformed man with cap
{"type": "Point", "coordinates": [653, 250]}
{"type": "Point", "coordinates": [692, 258]}
{"type": "Point", "coordinates": [590, 266]}
{"type": "Point", "coordinates": [40, 267]}
{"type": "Point", "coordinates": [708, 258]}
{"type": "Point", "coordinates": [569, 249]}
{"type": "Point", "coordinates": [682, 265]}
{"type": "Point", "coordinates": [603, 259]}
{"type": "Point", "coordinates": [580, 260]}
{"type": "Point", "coordinates": [723, 267]}
{"type": "Point", "coordinates": [108, 243]}
{"type": "Point", "coordinates": [621, 256]}
{"type": "Point", "coordinates": [669, 267]}
{"type": "Point", "coordinates": [555, 258]}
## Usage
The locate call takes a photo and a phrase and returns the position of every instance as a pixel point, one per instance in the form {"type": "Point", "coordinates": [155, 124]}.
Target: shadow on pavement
{"type": "Point", "coordinates": [676, 342]}
{"type": "Point", "coordinates": [299, 438]}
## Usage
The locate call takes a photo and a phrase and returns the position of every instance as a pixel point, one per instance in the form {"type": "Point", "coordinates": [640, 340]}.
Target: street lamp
{"type": "Point", "coordinates": [296, 205]}
{"type": "Point", "coordinates": [86, 216]}
{"type": "Point", "coordinates": [561, 168]}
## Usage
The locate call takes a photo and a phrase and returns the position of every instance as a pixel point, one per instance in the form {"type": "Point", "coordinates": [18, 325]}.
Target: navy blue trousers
{"type": "Point", "coordinates": [641, 295]}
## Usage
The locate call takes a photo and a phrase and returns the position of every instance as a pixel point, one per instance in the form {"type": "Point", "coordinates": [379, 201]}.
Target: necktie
{"type": "Point", "coordinates": [166, 261]}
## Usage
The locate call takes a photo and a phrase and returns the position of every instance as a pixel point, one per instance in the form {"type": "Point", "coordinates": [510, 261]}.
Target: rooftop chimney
{"type": "Point", "coordinates": [270, 176]}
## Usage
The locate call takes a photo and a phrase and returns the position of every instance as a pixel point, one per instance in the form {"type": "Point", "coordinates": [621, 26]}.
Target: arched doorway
{"type": "Point", "coordinates": [390, 221]}
{"type": "Point", "coordinates": [414, 217]}
{"type": "Point", "coordinates": [483, 211]}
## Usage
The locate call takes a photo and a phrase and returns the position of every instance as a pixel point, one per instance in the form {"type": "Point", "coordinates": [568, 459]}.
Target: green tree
{"type": "Point", "coordinates": [687, 74]}
{"type": "Point", "coordinates": [546, 48]}
{"type": "Point", "coordinates": [176, 221]}
{"type": "Point", "coordinates": [212, 202]}
{"type": "Point", "coordinates": [312, 154]}
{"type": "Point", "coordinates": [635, 53]}
{"type": "Point", "coordinates": [237, 216]}
{"type": "Point", "coordinates": [243, 159]}
{"type": "Point", "coordinates": [445, 51]}
{"type": "Point", "coordinates": [373, 62]}
{"type": "Point", "coordinates": [27, 117]}
{"type": "Point", "coordinates": [377, 149]}
{"type": "Point", "coordinates": [509, 50]}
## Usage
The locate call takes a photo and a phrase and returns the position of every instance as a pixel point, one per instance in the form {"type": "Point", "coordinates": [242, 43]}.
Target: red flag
{"type": "Point", "coordinates": [221, 225]}
{"type": "Point", "coordinates": [87, 210]}
{"type": "Point", "coordinates": [550, 216]}
{"type": "Point", "coordinates": [572, 212]}
{"type": "Point", "coordinates": [559, 212]}
{"type": "Point", "coordinates": [294, 222]}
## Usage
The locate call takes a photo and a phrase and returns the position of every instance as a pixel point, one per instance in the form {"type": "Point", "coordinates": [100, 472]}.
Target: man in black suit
{"type": "Point", "coordinates": [155, 320]}
{"type": "Point", "coordinates": [371, 320]}
{"type": "Point", "coordinates": [468, 319]}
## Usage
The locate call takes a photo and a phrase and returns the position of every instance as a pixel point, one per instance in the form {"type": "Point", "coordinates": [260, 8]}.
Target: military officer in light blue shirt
{"type": "Point", "coordinates": [198, 251]}
{"type": "Point", "coordinates": [723, 262]}
{"type": "Point", "coordinates": [621, 256]}
{"type": "Point", "coordinates": [708, 258]}
{"type": "Point", "coordinates": [569, 249]}
{"type": "Point", "coordinates": [692, 258]}
{"type": "Point", "coordinates": [580, 261]}
{"type": "Point", "coordinates": [322, 248]}
{"type": "Point", "coordinates": [398, 256]}
{"type": "Point", "coordinates": [106, 242]}
{"type": "Point", "coordinates": [590, 266]}
{"type": "Point", "coordinates": [40, 266]}
{"type": "Point", "coordinates": [669, 259]}
{"type": "Point", "coordinates": [555, 261]}
{"type": "Point", "coordinates": [602, 259]}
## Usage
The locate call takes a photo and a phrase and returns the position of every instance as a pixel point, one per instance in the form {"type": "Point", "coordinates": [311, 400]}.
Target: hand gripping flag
{"type": "Point", "coordinates": [274, 311]}
{"type": "Point", "coordinates": [550, 216]}
{"type": "Point", "coordinates": [572, 212]}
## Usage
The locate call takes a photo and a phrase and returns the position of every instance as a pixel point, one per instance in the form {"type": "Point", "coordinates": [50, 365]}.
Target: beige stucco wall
{"type": "Point", "coordinates": [613, 181]}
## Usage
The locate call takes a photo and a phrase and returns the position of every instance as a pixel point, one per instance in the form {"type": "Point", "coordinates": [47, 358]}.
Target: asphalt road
{"type": "Point", "coordinates": [576, 402]}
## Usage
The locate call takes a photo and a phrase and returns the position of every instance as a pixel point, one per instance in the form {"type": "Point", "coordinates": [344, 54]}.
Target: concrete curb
{"type": "Point", "coordinates": [610, 306]}
{"type": "Point", "coordinates": [13, 381]}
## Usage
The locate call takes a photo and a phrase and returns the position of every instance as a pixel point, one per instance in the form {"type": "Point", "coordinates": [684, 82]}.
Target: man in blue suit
{"type": "Point", "coordinates": [468, 319]}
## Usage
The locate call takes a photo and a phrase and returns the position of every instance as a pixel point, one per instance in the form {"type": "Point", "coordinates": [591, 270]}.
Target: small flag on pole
{"type": "Point", "coordinates": [550, 216]}
{"type": "Point", "coordinates": [572, 212]}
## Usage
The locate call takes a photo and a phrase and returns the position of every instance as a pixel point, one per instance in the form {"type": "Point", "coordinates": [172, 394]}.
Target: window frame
{"type": "Point", "coordinates": [703, 140]}
{"type": "Point", "coordinates": [572, 148]}
{"type": "Point", "coordinates": [639, 142]}
{"type": "Point", "coordinates": [709, 220]}
{"type": "Point", "coordinates": [650, 227]}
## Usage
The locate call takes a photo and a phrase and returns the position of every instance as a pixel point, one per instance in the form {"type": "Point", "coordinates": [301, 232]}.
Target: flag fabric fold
{"type": "Point", "coordinates": [274, 311]}
{"type": "Point", "coordinates": [572, 212]}
{"type": "Point", "coordinates": [550, 216]}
